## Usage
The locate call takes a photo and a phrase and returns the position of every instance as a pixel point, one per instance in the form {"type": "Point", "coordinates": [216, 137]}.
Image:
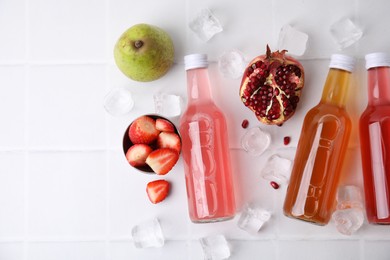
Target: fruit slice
{"type": "Point", "coordinates": [162, 160]}
{"type": "Point", "coordinates": [157, 190]}
{"type": "Point", "coordinates": [169, 140]}
{"type": "Point", "coordinates": [164, 125]}
{"type": "Point", "coordinates": [143, 130]}
{"type": "Point", "coordinates": [137, 154]}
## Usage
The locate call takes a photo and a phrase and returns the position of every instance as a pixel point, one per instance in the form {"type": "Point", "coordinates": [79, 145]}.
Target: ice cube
{"type": "Point", "coordinates": [252, 219]}
{"type": "Point", "coordinates": [167, 104]}
{"type": "Point", "coordinates": [232, 64]}
{"type": "Point", "coordinates": [349, 214]}
{"type": "Point", "coordinates": [292, 40]}
{"type": "Point", "coordinates": [349, 196]}
{"type": "Point", "coordinates": [277, 169]}
{"type": "Point", "coordinates": [215, 247]}
{"type": "Point", "coordinates": [345, 33]}
{"type": "Point", "coordinates": [255, 141]}
{"type": "Point", "coordinates": [205, 25]}
{"type": "Point", "coordinates": [349, 220]}
{"type": "Point", "coordinates": [148, 234]}
{"type": "Point", "coordinates": [118, 101]}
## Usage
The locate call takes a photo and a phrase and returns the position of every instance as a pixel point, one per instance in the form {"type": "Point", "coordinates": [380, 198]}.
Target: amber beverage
{"type": "Point", "coordinates": [311, 194]}
{"type": "Point", "coordinates": [374, 129]}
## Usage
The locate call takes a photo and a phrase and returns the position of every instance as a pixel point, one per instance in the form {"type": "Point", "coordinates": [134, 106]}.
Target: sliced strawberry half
{"type": "Point", "coordinates": [137, 154]}
{"type": "Point", "coordinates": [157, 190]}
{"type": "Point", "coordinates": [164, 125]}
{"type": "Point", "coordinates": [162, 160]}
{"type": "Point", "coordinates": [143, 130]}
{"type": "Point", "coordinates": [169, 140]}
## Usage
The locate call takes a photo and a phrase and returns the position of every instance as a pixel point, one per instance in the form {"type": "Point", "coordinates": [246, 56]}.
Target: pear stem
{"type": "Point", "coordinates": [138, 44]}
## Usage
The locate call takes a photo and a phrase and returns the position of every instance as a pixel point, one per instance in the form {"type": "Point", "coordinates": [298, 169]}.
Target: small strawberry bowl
{"type": "Point", "coordinates": [152, 144]}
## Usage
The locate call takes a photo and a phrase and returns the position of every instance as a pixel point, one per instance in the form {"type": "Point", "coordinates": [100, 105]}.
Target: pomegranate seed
{"type": "Point", "coordinates": [245, 123]}
{"type": "Point", "coordinates": [286, 140]}
{"type": "Point", "coordinates": [274, 185]}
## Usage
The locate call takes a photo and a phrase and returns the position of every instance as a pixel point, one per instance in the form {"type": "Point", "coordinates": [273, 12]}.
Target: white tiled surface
{"type": "Point", "coordinates": [66, 191]}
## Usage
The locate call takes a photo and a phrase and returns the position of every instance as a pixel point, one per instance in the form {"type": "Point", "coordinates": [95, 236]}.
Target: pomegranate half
{"type": "Point", "coordinates": [271, 86]}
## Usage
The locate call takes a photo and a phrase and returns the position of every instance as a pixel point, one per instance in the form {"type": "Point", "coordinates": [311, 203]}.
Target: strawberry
{"type": "Point", "coordinates": [162, 160]}
{"type": "Point", "coordinates": [143, 130]}
{"type": "Point", "coordinates": [164, 125]}
{"type": "Point", "coordinates": [137, 154]}
{"type": "Point", "coordinates": [157, 190]}
{"type": "Point", "coordinates": [169, 140]}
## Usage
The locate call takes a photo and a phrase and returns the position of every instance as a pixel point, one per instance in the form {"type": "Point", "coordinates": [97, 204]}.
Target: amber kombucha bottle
{"type": "Point", "coordinates": [311, 193]}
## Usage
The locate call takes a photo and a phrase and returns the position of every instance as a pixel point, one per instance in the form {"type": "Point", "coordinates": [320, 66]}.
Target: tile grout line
{"type": "Point", "coordinates": [107, 150]}
{"type": "Point", "coordinates": [26, 133]}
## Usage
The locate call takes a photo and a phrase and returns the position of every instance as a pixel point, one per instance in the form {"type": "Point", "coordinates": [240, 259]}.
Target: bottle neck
{"type": "Point", "coordinates": [336, 87]}
{"type": "Point", "coordinates": [378, 86]}
{"type": "Point", "coordinates": [198, 85]}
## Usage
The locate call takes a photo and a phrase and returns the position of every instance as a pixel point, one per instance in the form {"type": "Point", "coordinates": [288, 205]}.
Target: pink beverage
{"type": "Point", "coordinates": [205, 149]}
{"type": "Point", "coordinates": [375, 139]}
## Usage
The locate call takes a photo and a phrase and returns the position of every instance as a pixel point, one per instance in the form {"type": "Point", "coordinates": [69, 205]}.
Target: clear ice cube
{"type": "Point", "coordinates": [349, 196]}
{"type": "Point", "coordinates": [167, 104]}
{"type": "Point", "coordinates": [349, 213]}
{"type": "Point", "coordinates": [255, 141]}
{"type": "Point", "coordinates": [215, 247]}
{"type": "Point", "coordinates": [232, 64]}
{"type": "Point", "coordinates": [205, 25]}
{"type": "Point", "coordinates": [348, 221]}
{"type": "Point", "coordinates": [118, 101]}
{"type": "Point", "coordinates": [345, 33]}
{"type": "Point", "coordinates": [292, 40]}
{"type": "Point", "coordinates": [148, 234]}
{"type": "Point", "coordinates": [277, 169]}
{"type": "Point", "coordinates": [252, 219]}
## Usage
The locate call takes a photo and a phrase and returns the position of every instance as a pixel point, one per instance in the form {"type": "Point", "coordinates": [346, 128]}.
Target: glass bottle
{"type": "Point", "coordinates": [205, 149]}
{"type": "Point", "coordinates": [374, 133]}
{"type": "Point", "coordinates": [311, 194]}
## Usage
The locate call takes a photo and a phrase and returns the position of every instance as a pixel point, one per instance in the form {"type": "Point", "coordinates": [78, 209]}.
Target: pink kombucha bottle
{"type": "Point", "coordinates": [205, 149]}
{"type": "Point", "coordinates": [375, 139]}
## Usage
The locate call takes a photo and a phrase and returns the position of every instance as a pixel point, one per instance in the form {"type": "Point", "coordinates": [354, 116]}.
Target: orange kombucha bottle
{"type": "Point", "coordinates": [374, 129]}
{"type": "Point", "coordinates": [311, 193]}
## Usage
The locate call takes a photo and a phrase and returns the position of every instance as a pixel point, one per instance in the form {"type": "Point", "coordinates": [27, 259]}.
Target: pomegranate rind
{"type": "Point", "coordinates": [272, 61]}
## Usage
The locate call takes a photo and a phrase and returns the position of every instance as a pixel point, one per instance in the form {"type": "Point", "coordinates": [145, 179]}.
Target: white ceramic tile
{"type": "Point", "coordinates": [244, 28]}
{"type": "Point", "coordinates": [66, 106]}
{"type": "Point", "coordinates": [11, 251]}
{"type": "Point", "coordinates": [67, 30]}
{"type": "Point", "coordinates": [13, 30]}
{"type": "Point", "coordinates": [378, 250]}
{"type": "Point", "coordinates": [375, 31]}
{"type": "Point", "coordinates": [67, 195]}
{"type": "Point", "coordinates": [129, 203]}
{"type": "Point", "coordinates": [67, 250]}
{"type": "Point", "coordinates": [12, 193]}
{"type": "Point", "coordinates": [171, 18]}
{"type": "Point", "coordinates": [309, 17]}
{"type": "Point", "coordinates": [13, 106]}
{"type": "Point", "coordinates": [172, 250]}
{"type": "Point", "coordinates": [253, 250]}
{"type": "Point", "coordinates": [321, 249]}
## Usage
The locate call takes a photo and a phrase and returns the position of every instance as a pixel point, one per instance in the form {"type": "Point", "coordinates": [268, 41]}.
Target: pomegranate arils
{"type": "Point", "coordinates": [274, 185]}
{"type": "Point", "coordinates": [286, 140]}
{"type": "Point", "coordinates": [271, 86]}
{"type": "Point", "coordinates": [245, 123]}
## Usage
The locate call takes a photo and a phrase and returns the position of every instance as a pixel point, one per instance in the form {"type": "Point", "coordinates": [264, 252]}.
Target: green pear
{"type": "Point", "coordinates": [144, 52]}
